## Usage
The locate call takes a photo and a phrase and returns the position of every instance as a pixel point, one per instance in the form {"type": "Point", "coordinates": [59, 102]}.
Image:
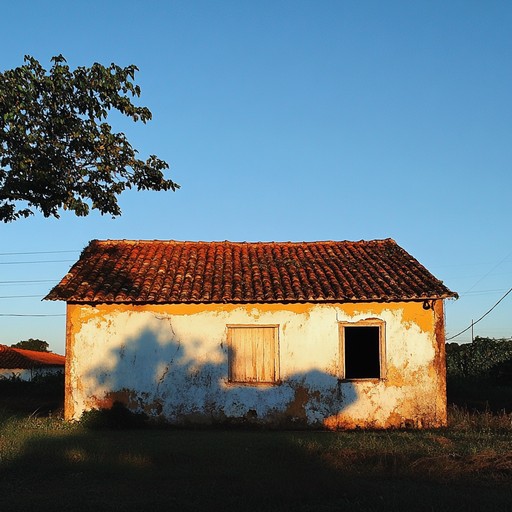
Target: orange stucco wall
{"type": "Point", "coordinates": [171, 361]}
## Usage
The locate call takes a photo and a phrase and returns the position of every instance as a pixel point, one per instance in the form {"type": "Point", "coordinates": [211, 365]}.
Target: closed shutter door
{"type": "Point", "coordinates": [252, 354]}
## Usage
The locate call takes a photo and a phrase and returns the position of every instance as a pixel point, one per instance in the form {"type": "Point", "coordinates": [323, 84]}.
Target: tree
{"type": "Point", "coordinates": [56, 148]}
{"type": "Point", "coordinates": [32, 344]}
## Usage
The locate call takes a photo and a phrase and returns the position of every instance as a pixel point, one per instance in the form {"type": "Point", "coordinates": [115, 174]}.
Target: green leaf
{"type": "Point", "coordinates": [56, 149]}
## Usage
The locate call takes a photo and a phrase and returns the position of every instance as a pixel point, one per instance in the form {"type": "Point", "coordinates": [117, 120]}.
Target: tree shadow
{"type": "Point", "coordinates": [156, 373]}
{"type": "Point", "coordinates": [229, 470]}
{"type": "Point", "coordinates": [224, 468]}
{"type": "Point", "coordinates": [106, 276]}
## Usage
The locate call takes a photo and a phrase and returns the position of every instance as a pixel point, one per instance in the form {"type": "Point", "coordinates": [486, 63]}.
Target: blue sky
{"type": "Point", "coordinates": [292, 120]}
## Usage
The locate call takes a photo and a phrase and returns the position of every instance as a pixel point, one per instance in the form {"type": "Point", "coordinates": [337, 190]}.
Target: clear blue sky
{"type": "Point", "coordinates": [292, 120]}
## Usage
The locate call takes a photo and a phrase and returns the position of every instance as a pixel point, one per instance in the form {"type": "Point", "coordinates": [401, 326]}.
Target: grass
{"type": "Point", "coordinates": [480, 394]}
{"type": "Point", "coordinates": [47, 464]}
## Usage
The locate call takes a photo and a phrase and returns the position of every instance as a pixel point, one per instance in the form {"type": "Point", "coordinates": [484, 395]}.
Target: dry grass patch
{"type": "Point", "coordinates": [464, 467]}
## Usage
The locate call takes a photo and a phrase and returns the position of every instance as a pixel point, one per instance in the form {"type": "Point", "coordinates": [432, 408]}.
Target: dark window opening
{"type": "Point", "coordinates": [362, 352]}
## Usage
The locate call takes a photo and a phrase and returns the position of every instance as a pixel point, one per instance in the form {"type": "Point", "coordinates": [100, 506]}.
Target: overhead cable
{"type": "Point", "coordinates": [483, 316]}
{"type": "Point", "coordinates": [19, 296]}
{"type": "Point", "coordinates": [29, 281]}
{"type": "Point", "coordinates": [36, 261]}
{"type": "Point", "coordinates": [15, 314]}
{"type": "Point", "coordinates": [33, 252]}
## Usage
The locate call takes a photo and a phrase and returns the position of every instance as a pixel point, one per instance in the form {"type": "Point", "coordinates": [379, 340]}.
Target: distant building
{"type": "Point", "coordinates": [26, 364]}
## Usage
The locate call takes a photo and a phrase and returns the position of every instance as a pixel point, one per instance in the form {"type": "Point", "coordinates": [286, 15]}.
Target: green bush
{"type": "Point", "coordinates": [487, 358]}
{"type": "Point", "coordinates": [42, 396]}
{"type": "Point", "coordinates": [479, 374]}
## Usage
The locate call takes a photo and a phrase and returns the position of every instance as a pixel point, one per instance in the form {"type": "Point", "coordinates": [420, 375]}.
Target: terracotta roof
{"type": "Point", "coordinates": [124, 271]}
{"type": "Point", "coordinates": [11, 357]}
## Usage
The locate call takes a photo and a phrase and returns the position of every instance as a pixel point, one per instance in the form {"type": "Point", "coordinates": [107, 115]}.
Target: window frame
{"type": "Point", "coordinates": [274, 359]}
{"type": "Point", "coordinates": [368, 322]}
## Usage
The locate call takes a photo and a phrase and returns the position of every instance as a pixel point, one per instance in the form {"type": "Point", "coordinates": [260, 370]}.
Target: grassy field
{"type": "Point", "coordinates": [46, 464]}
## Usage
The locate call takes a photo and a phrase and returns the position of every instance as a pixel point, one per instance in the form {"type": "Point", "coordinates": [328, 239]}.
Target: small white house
{"type": "Point", "coordinates": [314, 334]}
{"type": "Point", "coordinates": [26, 364]}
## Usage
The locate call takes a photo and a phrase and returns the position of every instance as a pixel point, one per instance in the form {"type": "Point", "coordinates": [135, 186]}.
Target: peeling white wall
{"type": "Point", "coordinates": [172, 361]}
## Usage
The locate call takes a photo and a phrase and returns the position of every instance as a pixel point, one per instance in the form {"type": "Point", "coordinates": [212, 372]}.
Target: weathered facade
{"type": "Point", "coordinates": [320, 334]}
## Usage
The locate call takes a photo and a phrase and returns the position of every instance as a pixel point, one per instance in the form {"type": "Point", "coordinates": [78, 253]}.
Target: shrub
{"type": "Point", "coordinates": [40, 396]}
{"type": "Point", "coordinates": [488, 358]}
{"type": "Point", "coordinates": [119, 417]}
{"type": "Point", "coordinates": [480, 374]}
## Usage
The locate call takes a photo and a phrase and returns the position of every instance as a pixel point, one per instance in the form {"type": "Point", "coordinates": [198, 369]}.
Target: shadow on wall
{"type": "Point", "coordinates": [188, 384]}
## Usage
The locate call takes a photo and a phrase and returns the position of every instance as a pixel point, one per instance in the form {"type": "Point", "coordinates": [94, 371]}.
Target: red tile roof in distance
{"type": "Point", "coordinates": [155, 271]}
{"type": "Point", "coordinates": [11, 358]}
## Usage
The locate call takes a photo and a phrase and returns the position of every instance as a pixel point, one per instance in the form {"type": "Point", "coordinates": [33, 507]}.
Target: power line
{"type": "Point", "coordinates": [483, 316]}
{"type": "Point", "coordinates": [29, 281]}
{"type": "Point", "coordinates": [19, 296]}
{"type": "Point", "coordinates": [489, 272]}
{"type": "Point", "coordinates": [15, 314]}
{"type": "Point", "coordinates": [34, 252]}
{"type": "Point", "coordinates": [36, 261]}
{"type": "Point", "coordinates": [476, 292]}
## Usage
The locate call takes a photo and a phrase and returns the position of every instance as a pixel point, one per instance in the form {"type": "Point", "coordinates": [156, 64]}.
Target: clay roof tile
{"type": "Point", "coordinates": [159, 271]}
{"type": "Point", "coordinates": [17, 358]}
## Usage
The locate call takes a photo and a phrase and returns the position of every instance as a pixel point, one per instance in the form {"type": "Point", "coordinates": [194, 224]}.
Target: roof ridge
{"type": "Point", "coordinates": [240, 242]}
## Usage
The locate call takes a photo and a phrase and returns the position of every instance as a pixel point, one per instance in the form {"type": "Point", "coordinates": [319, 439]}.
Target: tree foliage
{"type": "Point", "coordinates": [488, 358]}
{"type": "Point", "coordinates": [56, 148]}
{"type": "Point", "coordinates": [32, 344]}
